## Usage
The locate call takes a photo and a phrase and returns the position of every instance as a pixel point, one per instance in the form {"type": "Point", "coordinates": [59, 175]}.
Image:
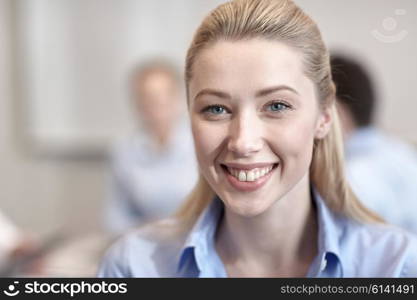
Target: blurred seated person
{"type": "Point", "coordinates": [381, 169]}
{"type": "Point", "coordinates": [155, 168]}
{"type": "Point", "coordinates": [10, 239]}
{"type": "Point", "coordinates": [16, 247]}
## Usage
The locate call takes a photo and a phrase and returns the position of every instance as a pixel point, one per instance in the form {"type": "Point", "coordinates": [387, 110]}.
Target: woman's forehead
{"type": "Point", "coordinates": [248, 64]}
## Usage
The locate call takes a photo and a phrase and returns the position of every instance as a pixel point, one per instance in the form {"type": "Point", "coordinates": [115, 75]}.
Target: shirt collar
{"type": "Point", "coordinates": [330, 226]}
{"type": "Point", "coordinates": [201, 236]}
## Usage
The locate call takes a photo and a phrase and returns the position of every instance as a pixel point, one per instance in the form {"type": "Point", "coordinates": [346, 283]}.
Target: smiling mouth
{"type": "Point", "coordinates": [249, 175]}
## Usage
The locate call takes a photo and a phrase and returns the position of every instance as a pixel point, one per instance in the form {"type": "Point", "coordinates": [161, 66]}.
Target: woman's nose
{"type": "Point", "coordinates": [245, 135]}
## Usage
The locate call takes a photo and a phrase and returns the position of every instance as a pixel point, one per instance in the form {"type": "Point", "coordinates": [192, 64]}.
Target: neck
{"type": "Point", "coordinates": [162, 139]}
{"type": "Point", "coordinates": [280, 241]}
{"type": "Point", "coordinates": [161, 135]}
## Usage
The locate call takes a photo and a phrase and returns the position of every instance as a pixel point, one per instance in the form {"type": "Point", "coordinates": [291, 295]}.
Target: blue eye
{"type": "Point", "coordinates": [215, 109]}
{"type": "Point", "coordinates": [277, 106]}
{"type": "Point", "coordinates": [215, 112]}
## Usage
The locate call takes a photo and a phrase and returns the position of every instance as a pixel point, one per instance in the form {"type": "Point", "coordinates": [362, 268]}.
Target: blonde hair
{"type": "Point", "coordinates": [281, 20]}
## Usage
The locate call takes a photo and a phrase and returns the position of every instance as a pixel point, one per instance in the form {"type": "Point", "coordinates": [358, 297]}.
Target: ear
{"type": "Point", "coordinates": [324, 122]}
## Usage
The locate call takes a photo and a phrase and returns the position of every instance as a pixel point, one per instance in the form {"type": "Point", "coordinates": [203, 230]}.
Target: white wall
{"type": "Point", "coordinates": [39, 194]}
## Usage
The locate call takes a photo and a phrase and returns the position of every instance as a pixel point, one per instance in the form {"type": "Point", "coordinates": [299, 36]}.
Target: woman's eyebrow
{"type": "Point", "coordinates": [260, 93]}
{"type": "Point", "coordinates": [212, 92]}
{"type": "Point", "coordinates": [272, 89]}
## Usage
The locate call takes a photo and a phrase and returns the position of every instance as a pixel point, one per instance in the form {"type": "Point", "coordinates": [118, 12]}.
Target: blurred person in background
{"type": "Point", "coordinates": [154, 169]}
{"type": "Point", "coordinates": [10, 240]}
{"type": "Point", "coordinates": [18, 251]}
{"type": "Point", "coordinates": [381, 169]}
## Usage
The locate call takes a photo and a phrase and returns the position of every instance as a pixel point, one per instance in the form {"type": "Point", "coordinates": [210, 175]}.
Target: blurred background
{"type": "Point", "coordinates": [64, 99]}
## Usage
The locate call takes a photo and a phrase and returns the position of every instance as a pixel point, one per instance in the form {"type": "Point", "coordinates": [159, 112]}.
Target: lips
{"type": "Point", "coordinates": [248, 177]}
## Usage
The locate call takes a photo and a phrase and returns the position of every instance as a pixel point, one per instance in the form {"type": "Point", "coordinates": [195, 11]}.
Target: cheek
{"type": "Point", "coordinates": [208, 139]}
{"type": "Point", "coordinates": [294, 144]}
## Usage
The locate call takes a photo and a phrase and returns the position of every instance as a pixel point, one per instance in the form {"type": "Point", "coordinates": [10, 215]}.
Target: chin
{"type": "Point", "coordinates": [247, 209]}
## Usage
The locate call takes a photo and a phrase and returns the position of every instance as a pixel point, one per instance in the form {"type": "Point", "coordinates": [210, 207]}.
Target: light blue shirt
{"type": "Point", "coordinates": [147, 184]}
{"type": "Point", "coordinates": [383, 173]}
{"type": "Point", "coordinates": [345, 249]}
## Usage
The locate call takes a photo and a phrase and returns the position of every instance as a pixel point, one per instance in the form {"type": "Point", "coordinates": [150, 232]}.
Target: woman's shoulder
{"type": "Point", "coordinates": [379, 250]}
{"type": "Point", "coordinates": [149, 251]}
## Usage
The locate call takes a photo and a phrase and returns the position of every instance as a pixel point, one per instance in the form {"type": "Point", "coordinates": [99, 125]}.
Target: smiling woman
{"type": "Point", "coordinates": [272, 199]}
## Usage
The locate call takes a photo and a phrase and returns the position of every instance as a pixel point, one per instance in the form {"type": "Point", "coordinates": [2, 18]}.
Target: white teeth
{"type": "Point", "coordinates": [249, 175]}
